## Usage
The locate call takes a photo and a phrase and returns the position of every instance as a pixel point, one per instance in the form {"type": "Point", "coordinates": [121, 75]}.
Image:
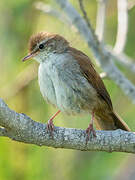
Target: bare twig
{"type": "Point", "coordinates": [84, 12]}
{"type": "Point", "coordinates": [122, 58]}
{"type": "Point", "coordinates": [122, 26]}
{"type": "Point", "coordinates": [101, 16]}
{"type": "Point", "coordinates": [22, 128]}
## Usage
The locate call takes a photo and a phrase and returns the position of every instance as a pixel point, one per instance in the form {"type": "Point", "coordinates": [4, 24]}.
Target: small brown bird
{"type": "Point", "coordinates": [68, 80]}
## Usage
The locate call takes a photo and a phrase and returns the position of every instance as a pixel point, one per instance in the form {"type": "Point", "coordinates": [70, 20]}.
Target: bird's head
{"type": "Point", "coordinates": [43, 44]}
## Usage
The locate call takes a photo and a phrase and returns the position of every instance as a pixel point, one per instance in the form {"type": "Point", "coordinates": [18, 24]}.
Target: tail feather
{"type": "Point", "coordinates": [109, 121]}
{"type": "Point", "coordinates": [120, 124]}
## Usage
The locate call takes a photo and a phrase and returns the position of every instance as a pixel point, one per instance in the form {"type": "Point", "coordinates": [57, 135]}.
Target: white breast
{"type": "Point", "coordinates": [62, 84]}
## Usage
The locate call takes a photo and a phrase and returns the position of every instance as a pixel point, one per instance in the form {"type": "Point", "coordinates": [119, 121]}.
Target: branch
{"type": "Point", "coordinates": [101, 16]}
{"type": "Point", "coordinates": [117, 51]}
{"type": "Point", "coordinates": [84, 13]}
{"type": "Point", "coordinates": [22, 128]}
{"type": "Point", "coordinates": [122, 26]}
{"type": "Point", "coordinates": [122, 58]}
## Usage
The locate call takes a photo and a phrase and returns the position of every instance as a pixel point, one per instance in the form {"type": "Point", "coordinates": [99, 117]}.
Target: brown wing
{"type": "Point", "coordinates": [90, 74]}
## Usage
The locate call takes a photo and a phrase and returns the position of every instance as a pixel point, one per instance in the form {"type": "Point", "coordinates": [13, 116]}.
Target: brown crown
{"type": "Point", "coordinates": [37, 38]}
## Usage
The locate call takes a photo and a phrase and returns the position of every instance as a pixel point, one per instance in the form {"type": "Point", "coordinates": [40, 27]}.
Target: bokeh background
{"type": "Point", "coordinates": [19, 88]}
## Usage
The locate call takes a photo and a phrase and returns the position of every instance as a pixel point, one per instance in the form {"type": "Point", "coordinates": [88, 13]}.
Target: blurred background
{"type": "Point", "coordinates": [19, 88]}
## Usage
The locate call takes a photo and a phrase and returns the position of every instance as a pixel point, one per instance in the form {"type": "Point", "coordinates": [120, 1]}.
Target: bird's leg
{"type": "Point", "coordinates": [90, 128]}
{"type": "Point", "coordinates": [50, 125]}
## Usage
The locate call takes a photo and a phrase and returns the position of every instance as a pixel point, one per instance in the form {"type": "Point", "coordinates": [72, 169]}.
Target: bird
{"type": "Point", "coordinates": [68, 80]}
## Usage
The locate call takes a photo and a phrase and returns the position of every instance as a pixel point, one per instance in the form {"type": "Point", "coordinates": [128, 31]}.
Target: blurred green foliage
{"type": "Point", "coordinates": [18, 161]}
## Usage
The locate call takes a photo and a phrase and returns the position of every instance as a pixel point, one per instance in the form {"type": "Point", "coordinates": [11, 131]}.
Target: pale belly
{"type": "Point", "coordinates": [67, 89]}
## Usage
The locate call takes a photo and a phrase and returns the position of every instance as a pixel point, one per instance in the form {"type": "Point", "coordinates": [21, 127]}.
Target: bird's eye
{"type": "Point", "coordinates": [41, 46]}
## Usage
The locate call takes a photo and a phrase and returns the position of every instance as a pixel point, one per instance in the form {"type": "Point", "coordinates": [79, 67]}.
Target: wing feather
{"type": "Point", "coordinates": [91, 75]}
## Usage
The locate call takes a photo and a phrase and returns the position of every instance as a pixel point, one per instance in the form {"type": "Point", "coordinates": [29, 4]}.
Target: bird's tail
{"type": "Point", "coordinates": [109, 121]}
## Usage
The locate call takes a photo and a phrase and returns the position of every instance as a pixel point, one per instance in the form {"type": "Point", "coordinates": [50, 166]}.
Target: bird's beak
{"type": "Point", "coordinates": [29, 56]}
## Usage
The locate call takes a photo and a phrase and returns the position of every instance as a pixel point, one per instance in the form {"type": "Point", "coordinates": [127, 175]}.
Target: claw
{"type": "Point", "coordinates": [90, 130]}
{"type": "Point", "coordinates": [50, 126]}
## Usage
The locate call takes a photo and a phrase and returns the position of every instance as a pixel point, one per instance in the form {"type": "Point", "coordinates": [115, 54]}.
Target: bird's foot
{"type": "Point", "coordinates": [90, 130]}
{"type": "Point", "coordinates": [50, 126]}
